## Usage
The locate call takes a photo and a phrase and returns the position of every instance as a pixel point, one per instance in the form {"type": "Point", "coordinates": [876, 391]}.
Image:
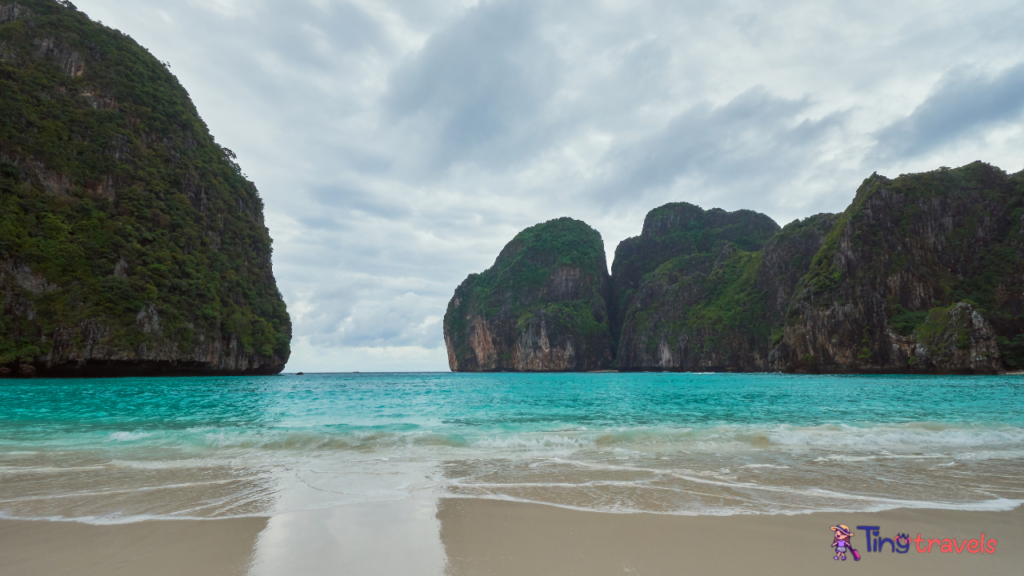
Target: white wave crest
{"type": "Point", "coordinates": [546, 441]}
{"type": "Point", "coordinates": [896, 436]}
{"type": "Point", "coordinates": [128, 436]}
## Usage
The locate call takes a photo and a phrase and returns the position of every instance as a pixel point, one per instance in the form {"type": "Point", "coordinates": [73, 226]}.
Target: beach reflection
{"type": "Point", "coordinates": [377, 538]}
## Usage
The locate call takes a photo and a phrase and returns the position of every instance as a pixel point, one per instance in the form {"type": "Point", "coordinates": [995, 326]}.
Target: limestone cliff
{"type": "Point", "coordinates": [718, 311]}
{"type": "Point", "coordinates": [920, 274]}
{"type": "Point", "coordinates": [680, 229]}
{"type": "Point", "coordinates": [130, 242]}
{"type": "Point", "coordinates": [540, 307]}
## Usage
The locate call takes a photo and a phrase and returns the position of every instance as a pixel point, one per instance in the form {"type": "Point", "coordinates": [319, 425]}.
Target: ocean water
{"type": "Point", "coordinates": [119, 450]}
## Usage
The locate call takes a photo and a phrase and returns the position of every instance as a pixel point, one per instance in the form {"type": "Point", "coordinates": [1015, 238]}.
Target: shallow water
{"type": "Point", "coordinates": [118, 450]}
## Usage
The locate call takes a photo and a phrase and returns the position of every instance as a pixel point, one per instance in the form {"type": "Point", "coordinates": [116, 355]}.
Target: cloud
{"type": "Point", "coordinates": [745, 146]}
{"type": "Point", "coordinates": [477, 88]}
{"type": "Point", "coordinates": [357, 199]}
{"type": "Point", "coordinates": [963, 105]}
{"type": "Point", "coordinates": [403, 320]}
{"type": "Point", "coordinates": [312, 38]}
{"type": "Point", "coordinates": [369, 359]}
{"type": "Point", "coordinates": [369, 311]}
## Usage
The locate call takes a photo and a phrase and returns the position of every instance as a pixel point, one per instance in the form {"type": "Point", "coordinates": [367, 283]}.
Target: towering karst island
{"type": "Point", "coordinates": [130, 242]}
{"type": "Point", "coordinates": [920, 274]}
{"type": "Point", "coordinates": [541, 307]}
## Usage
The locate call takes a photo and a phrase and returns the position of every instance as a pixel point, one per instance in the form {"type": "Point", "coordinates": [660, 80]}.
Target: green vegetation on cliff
{"type": "Point", "coordinates": [720, 310]}
{"type": "Point", "coordinates": [993, 195]}
{"type": "Point", "coordinates": [675, 230]}
{"type": "Point", "coordinates": [544, 299]}
{"type": "Point", "coordinates": [904, 252]}
{"type": "Point", "coordinates": [709, 307]}
{"type": "Point", "coordinates": [938, 323]}
{"type": "Point", "coordinates": [734, 300]}
{"type": "Point", "coordinates": [118, 210]}
{"type": "Point", "coordinates": [525, 264]}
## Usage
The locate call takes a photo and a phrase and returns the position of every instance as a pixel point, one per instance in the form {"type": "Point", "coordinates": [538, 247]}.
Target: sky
{"type": "Point", "coordinates": [398, 145]}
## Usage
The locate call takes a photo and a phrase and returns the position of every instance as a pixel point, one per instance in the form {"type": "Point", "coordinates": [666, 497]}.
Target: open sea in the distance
{"type": "Point", "coordinates": [120, 450]}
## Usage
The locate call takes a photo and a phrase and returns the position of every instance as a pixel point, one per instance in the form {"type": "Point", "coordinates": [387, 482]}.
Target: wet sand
{"type": "Point", "coordinates": [473, 537]}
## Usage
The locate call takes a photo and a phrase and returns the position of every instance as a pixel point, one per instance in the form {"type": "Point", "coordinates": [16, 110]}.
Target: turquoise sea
{"type": "Point", "coordinates": [117, 450]}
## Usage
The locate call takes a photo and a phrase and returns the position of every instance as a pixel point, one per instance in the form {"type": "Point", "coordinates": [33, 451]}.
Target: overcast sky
{"type": "Point", "coordinates": [398, 145]}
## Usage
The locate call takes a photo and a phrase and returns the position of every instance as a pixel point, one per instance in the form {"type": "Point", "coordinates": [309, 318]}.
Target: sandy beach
{"type": "Point", "coordinates": [498, 538]}
{"type": "Point", "coordinates": [513, 539]}
{"type": "Point", "coordinates": [155, 548]}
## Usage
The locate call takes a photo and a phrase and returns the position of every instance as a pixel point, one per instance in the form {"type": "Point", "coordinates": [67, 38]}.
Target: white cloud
{"type": "Point", "coordinates": [965, 104]}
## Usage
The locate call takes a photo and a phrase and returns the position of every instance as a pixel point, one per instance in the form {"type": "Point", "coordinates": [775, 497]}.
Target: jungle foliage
{"type": "Point", "coordinates": [556, 270]}
{"type": "Point", "coordinates": [955, 230]}
{"type": "Point", "coordinates": [680, 229]}
{"type": "Point", "coordinates": [114, 191]}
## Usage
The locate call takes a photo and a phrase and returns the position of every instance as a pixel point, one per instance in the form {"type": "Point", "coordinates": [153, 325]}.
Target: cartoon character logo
{"type": "Point", "coordinates": [841, 542]}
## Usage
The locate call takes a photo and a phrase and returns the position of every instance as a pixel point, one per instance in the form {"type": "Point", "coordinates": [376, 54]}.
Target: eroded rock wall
{"type": "Point", "coordinates": [540, 308]}
{"type": "Point", "coordinates": [904, 249]}
{"type": "Point", "coordinates": [718, 312]}
{"type": "Point", "coordinates": [675, 230]}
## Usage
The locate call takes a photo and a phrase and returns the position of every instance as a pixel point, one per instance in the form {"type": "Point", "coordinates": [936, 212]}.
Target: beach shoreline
{"type": "Point", "coordinates": [504, 538]}
{"type": "Point", "coordinates": [506, 475]}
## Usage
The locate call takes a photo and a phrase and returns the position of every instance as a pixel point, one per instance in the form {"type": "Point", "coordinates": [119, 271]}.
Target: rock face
{"type": "Point", "coordinates": [956, 339]}
{"type": "Point", "coordinates": [920, 274]}
{"type": "Point", "coordinates": [130, 242]}
{"type": "Point", "coordinates": [540, 307]}
{"type": "Point", "coordinates": [12, 12]}
{"type": "Point", "coordinates": [680, 229]}
{"type": "Point", "coordinates": [718, 311]}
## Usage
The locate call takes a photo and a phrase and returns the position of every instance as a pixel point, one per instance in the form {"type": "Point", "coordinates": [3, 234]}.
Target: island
{"type": "Point", "coordinates": [920, 274]}
{"type": "Point", "coordinates": [131, 243]}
